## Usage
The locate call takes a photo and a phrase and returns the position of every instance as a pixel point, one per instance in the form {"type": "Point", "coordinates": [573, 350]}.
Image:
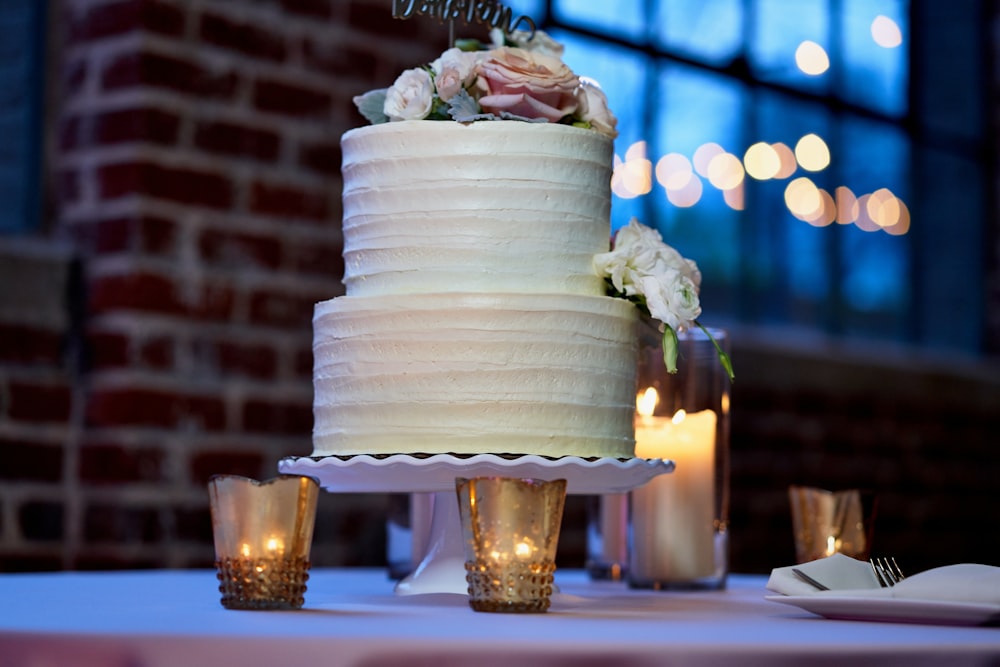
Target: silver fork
{"type": "Point", "coordinates": [887, 571]}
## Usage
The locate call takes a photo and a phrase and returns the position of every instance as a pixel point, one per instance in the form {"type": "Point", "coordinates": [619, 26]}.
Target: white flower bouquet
{"type": "Point", "coordinates": [642, 268]}
{"type": "Point", "coordinates": [518, 77]}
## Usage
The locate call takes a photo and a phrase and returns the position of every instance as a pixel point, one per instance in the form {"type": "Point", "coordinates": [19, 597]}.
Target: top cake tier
{"type": "Point", "coordinates": [511, 207]}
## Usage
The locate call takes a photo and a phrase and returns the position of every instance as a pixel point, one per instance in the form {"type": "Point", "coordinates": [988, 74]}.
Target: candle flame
{"type": "Point", "coordinates": [275, 544]}
{"type": "Point", "coordinates": [646, 402]}
{"type": "Point", "coordinates": [245, 550]}
{"type": "Point", "coordinates": [522, 550]}
{"type": "Point", "coordinates": [679, 416]}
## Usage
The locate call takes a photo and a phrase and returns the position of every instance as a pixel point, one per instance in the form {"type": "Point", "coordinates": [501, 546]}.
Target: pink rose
{"type": "Point", "coordinates": [527, 84]}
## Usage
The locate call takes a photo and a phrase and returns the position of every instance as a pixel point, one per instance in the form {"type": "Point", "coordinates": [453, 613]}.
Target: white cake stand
{"type": "Point", "coordinates": [442, 569]}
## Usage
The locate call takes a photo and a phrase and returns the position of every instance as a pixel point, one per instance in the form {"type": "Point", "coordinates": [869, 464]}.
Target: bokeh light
{"type": "Point", "coordinates": [811, 58]}
{"type": "Point", "coordinates": [762, 161]}
{"type": "Point", "coordinates": [812, 153]}
{"type": "Point", "coordinates": [725, 171]}
{"type": "Point", "coordinates": [886, 32]}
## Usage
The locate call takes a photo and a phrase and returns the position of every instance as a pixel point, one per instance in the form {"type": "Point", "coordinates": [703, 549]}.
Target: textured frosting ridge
{"type": "Point", "coordinates": [436, 206]}
{"type": "Point", "coordinates": [517, 374]}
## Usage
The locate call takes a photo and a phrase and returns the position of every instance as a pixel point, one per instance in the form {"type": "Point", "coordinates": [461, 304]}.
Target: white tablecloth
{"type": "Point", "coordinates": [352, 617]}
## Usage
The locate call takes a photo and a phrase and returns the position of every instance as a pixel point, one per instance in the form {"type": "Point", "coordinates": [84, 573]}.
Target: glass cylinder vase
{"type": "Point", "coordinates": [678, 522]}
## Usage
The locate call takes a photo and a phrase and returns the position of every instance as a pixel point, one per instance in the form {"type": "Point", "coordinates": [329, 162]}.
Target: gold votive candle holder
{"type": "Point", "coordinates": [263, 534]}
{"type": "Point", "coordinates": [511, 530]}
{"type": "Point", "coordinates": [832, 522]}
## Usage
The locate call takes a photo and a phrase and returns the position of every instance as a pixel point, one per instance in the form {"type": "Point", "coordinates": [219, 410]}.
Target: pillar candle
{"type": "Point", "coordinates": [673, 515]}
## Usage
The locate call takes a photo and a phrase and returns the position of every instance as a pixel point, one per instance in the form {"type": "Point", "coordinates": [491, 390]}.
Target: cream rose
{"type": "Point", "coordinates": [454, 70]}
{"type": "Point", "coordinates": [410, 97]}
{"type": "Point", "coordinates": [531, 85]}
{"type": "Point", "coordinates": [593, 108]}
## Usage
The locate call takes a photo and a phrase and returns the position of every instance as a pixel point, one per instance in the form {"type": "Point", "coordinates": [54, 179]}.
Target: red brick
{"type": "Point", "coordinates": [303, 364]}
{"type": "Point", "coordinates": [268, 416]}
{"type": "Point", "coordinates": [292, 100]}
{"type": "Point", "coordinates": [41, 521]}
{"type": "Point", "coordinates": [108, 350]}
{"type": "Point", "coordinates": [185, 185]}
{"type": "Point", "coordinates": [312, 8]}
{"type": "Point", "coordinates": [238, 140]}
{"type": "Point", "coordinates": [148, 292]}
{"type": "Point", "coordinates": [288, 201]}
{"type": "Point", "coordinates": [242, 37]}
{"type": "Point", "coordinates": [161, 71]}
{"type": "Point", "coordinates": [115, 18]}
{"type": "Point", "coordinates": [154, 293]}
{"type": "Point", "coordinates": [68, 185]}
{"type": "Point", "coordinates": [21, 344]}
{"type": "Point", "coordinates": [324, 158]}
{"type": "Point", "coordinates": [141, 125]}
{"type": "Point", "coordinates": [115, 464]}
{"type": "Point", "coordinates": [227, 462]}
{"type": "Point", "coordinates": [39, 402]}
{"type": "Point", "coordinates": [122, 524]}
{"type": "Point", "coordinates": [281, 309]}
{"type": "Point", "coordinates": [232, 249]}
{"type": "Point", "coordinates": [321, 259]}
{"type": "Point", "coordinates": [377, 19]}
{"type": "Point", "coordinates": [257, 361]}
{"type": "Point", "coordinates": [74, 76]}
{"type": "Point", "coordinates": [339, 61]}
{"type": "Point", "coordinates": [137, 406]}
{"type": "Point", "coordinates": [28, 460]}
{"type": "Point", "coordinates": [145, 234]}
{"type": "Point", "coordinates": [157, 353]}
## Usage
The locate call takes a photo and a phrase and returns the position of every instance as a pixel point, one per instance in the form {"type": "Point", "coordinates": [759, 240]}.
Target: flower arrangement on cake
{"type": "Point", "coordinates": [519, 76]}
{"type": "Point", "coordinates": [663, 284]}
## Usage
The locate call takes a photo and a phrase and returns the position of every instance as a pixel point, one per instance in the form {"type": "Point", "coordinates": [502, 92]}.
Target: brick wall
{"type": "Point", "coordinates": [161, 333]}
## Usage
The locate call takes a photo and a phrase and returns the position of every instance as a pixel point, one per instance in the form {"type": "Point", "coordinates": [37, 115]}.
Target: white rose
{"type": "Point", "coordinates": [593, 108]}
{"type": "Point", "coordinates": [410, 97]}
{"type": "Point", "coordinates": [454, 70]}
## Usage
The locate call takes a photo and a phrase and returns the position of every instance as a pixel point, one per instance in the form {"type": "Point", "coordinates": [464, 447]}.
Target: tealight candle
{"type": "Point", "coordinates": [263, 534]}
{"type": "Point", "coordinates": [511, 530]}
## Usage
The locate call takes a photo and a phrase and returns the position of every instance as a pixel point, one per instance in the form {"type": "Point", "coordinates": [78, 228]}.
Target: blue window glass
{"type": "Point", "coordinates": [20, 113]}
{"type": "Point", "coordinates": [779, 28]}
{"type": "Point", "coordinates": [875, 68]}
{"type": "Point", "coordinates": [705, 30]}
{"type": "Point", "coordinates": [622, 18]}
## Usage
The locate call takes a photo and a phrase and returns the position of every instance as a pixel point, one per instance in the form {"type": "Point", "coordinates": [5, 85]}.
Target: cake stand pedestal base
{"type": "Point", "coordinates": [442, 570]}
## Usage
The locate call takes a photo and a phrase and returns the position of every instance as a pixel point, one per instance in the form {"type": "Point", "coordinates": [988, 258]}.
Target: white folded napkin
{"type": "Point", "coordinates": [964, 582]}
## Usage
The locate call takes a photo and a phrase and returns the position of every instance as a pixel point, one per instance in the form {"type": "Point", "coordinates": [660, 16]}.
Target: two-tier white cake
{"type": "Point", "coordinates": [473, 320]}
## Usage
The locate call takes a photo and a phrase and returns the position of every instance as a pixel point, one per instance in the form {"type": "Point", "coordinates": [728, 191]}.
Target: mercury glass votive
{"type": "Point", "coordinates": [830, 522]}
{"type": "Point", "coordinates": [511, 530]}
{"type": "Point", "coordinates": [263, 534]}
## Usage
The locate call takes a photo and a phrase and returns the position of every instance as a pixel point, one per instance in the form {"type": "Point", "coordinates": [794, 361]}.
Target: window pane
{"type": "Point", "coordinates": [875, 76]}
{"type": "Point", "coordinates": [621, 73]}
{"type": "Point", "coordinates": [780, 27]}
{"type": "Point", "coordinates": [624, 18]}
{"type": "Point", "coordinates": [706, 30]}
{"type": "Point", "coordinates": [533, 9]}
{"type": "Point", "coordinates": [697, 109]}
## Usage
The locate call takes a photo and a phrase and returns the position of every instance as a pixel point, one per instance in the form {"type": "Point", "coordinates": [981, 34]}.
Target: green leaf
{"type": "Point", "coordinates": [372, 105]}
{"type": "Point", "coordinates": [670, 348]}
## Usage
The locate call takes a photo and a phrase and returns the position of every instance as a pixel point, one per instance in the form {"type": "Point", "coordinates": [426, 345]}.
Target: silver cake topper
{"type": "Point", "coordinates": [485, 12]}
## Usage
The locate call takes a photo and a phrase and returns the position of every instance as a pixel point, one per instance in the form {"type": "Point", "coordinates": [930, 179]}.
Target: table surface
{"type": "Point", "coordinates": [352, 617]}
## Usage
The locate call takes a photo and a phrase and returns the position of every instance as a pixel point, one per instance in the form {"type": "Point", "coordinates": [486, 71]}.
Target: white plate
{"type": "Point", "coordinates": [402, 472]}
{"type": "Point", "coordinates": [893, 609]}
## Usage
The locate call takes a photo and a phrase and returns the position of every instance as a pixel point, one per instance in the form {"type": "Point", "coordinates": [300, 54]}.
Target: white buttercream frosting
{"type": "Point", "coordinates": [475, 373]}
{"type": "Point", "coordinates": [474, 321]}
{"type": "Point", "coordinates": [444, 207]}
